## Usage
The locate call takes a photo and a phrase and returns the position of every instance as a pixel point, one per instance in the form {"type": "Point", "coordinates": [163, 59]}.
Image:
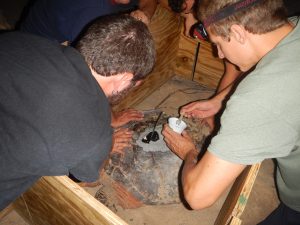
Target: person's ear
{"type": "Point", "coordinates": [125, 79]}
{"type": "Point", "coordinates": [138, 83]}
{"type": "Point", "coordinates": [238, 33]}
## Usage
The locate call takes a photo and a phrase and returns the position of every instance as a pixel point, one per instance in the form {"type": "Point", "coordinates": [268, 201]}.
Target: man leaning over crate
{"type": "Point", "coordinates": [55, 100]}
{"type": "Point", "coordinates": [262, 117]}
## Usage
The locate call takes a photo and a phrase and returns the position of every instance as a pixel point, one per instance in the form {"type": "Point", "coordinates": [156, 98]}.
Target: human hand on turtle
{"type": "Point", "coordinates": [201, 109]}
{"type": "Point", "coordinates": [123, 117]}
{"type": "Point", "coordinates": [122, 138]}
{"type": "Point", "coordinates": [180, 144]}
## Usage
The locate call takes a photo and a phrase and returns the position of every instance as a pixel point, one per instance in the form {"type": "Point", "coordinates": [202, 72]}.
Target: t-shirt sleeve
{"type": "Point", "coordinates": [249, 134]}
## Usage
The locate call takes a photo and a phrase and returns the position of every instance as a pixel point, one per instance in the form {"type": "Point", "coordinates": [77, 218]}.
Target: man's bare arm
{"type": "Point", "coordinates": [205, 181]}
{"type": "Point", "coordinates": [230, 76]}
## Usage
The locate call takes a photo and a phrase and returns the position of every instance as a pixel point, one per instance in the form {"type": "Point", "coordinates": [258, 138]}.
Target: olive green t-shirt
{"type": "Point", "coordinates": [262, 118]}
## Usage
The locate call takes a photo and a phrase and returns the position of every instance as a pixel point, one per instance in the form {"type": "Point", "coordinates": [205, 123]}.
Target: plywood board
{"type": "Point", "coordinates": [60, 201]}
{"type": "Point", "coordinates": [209, 68]}
{"type": "Point", "coordinates": [237, 198]}
{"type": "Point", "coordinates": [6, 211]}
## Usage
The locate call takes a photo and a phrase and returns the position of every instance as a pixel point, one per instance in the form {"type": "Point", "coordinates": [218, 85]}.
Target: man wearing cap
{"type": "Point", "coordinates": [261, 119]}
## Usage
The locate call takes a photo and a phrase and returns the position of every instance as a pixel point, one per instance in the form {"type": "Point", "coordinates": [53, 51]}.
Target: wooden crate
{"type": "Point", "coordinates": [58, 200]}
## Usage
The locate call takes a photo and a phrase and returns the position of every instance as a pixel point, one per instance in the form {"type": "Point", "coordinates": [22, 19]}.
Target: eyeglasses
{"type": "Point", "coordinates": [199, 31]}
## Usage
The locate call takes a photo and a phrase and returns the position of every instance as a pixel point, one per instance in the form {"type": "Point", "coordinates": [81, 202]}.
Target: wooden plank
{"type": "Point", "coordinates": [235, 221]}
{"type": "Point", "coordinates": [165, 30]}
{"type": "Point", "coordinates": [209, 68]}
{"type": "Point", "coordinates": [6, 211]}
{"type": "Point", "coordinates": [185, 56]}
{"type": "Point", "coordinates": [60, 201]}
{"type": "Point", "coordinates": [237, 198]}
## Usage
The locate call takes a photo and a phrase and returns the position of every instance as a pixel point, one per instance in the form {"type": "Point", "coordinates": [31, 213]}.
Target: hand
{"type": "Point", "coordinates": [121, 118]}
{"type": "Point", "coordinates": [122, 138]}
{"type": "Point", "coordinates": [210, 121]}
{"type": "Point", "coordinates": [202, 109]}
{"type": "Point", "coordinates": [189, 21]}
{"type": "Point", "coordinates": [140, 15]}
{"type": "Point", "coordinates": [180, 144]}
{"type": "Point", "coordinates": [66, 43]}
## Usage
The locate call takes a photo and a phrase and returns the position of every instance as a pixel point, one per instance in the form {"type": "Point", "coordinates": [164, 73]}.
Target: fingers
{"type": "Point", "coordinates": [210, 121]}
{"type": "Point", "coordinates": [199, 109]}
{"type": "Point", "coordinates": [125, 116]}
{"type": "Point", "coordinates": [179, 144]}
{"type": "Point", "coordinates": [132, 114]}
{"type": "Point", "coordinates": [135, 116]}
{"type": "Point", "coordinates": [122, 138]}
{"type": "Point", "coordinates": [167, 132]}
{"type": "Point", "coordinates": [187, 137]}
{"type": "Point", "coordinates": [167, 135]}
{"type": "Point", "coordinates": [140, 15]}
{"type": "Point", "coordinates": [188, 109]}
{"type": "Point", "coordinates": [122, 133]}
{"type": "Point", "coordinates": [120, 147]}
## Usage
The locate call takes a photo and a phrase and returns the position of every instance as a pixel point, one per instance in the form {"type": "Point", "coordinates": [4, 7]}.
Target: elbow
{"type": "Point", "coordinates": [198, 200]}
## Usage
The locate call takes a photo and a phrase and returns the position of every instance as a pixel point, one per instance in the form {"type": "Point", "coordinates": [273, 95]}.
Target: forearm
{"type": "Point", "coordinates": [227, 82]}
{"type": "Point", "coordinates": [189, 179]}
{"type": "Point", "coordinates": [205, 181]}
{"type": "Point", "coordinates": [190, 162]}
{"type": "Point", "coordinates": [230, 76]}
{"type": "Point", "coordinates": [195, 193]}
{"type": "Point", "coordinates": [220, 96]}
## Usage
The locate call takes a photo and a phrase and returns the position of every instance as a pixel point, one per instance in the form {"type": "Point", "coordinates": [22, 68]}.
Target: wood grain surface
{"type": "Point", "coordinates": [60, 201]}
{"type": "Point", "coordinates": [209, 68]}
{"type": "Point", "coordinates": [237, 198]}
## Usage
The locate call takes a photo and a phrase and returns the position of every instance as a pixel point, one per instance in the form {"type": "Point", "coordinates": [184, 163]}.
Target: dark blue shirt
{"type": "Point", "coordinates": [54, 117]}
{"type": "Point", "coordinates": [63, 20]}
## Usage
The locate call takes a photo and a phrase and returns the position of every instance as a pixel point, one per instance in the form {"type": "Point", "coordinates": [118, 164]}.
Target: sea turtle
{"type": "Point", "coordinates": [148, 172]}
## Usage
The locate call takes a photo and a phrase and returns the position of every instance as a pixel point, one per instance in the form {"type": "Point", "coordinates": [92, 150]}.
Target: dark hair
{"type": "Point", "coordinates": [265, 16]}
{"type": "Point", "coordinates": [117, 44]}
{"type": "Point", "coordinates": [176, 5]}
